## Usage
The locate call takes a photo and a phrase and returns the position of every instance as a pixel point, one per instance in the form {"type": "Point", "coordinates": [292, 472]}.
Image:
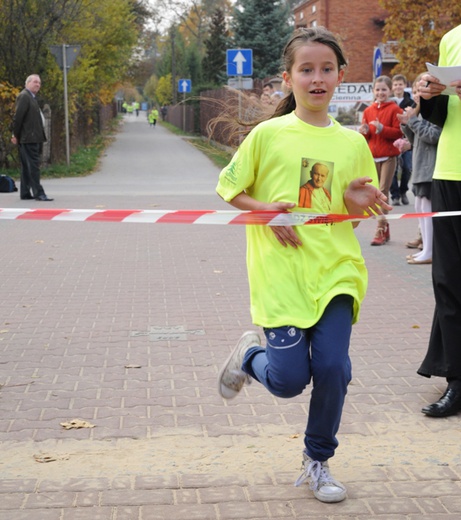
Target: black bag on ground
{"type": "Point", "coordinates": [7, 184]}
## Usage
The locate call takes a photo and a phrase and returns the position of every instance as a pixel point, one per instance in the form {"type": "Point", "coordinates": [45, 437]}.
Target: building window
{"type": "Point", "coordinates": [314, 8]}
{"type": "Point", "coordinates": [314, 23]}
{"type": "Point", "coordinates": [301, 15]}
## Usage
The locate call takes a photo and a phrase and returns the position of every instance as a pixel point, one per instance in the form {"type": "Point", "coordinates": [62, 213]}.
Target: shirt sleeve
{"type": "Point", "coordinates": [240, 173]}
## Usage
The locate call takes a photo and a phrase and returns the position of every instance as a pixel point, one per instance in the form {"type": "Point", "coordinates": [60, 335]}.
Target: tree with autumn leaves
{"type": "Point", "coordinates": [107, 32]}
{"type": "Point", "coordinates": [417, 28]}
{"type": "Point", "coordinates": [121, 52]}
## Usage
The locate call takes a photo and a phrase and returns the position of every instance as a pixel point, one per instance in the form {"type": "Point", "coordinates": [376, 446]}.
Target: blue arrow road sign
{"type": "Point", "coordinates": [377, 63]}
{"type": "Point", "coordinates": [184, 85]}
{"type": "Point", "coordinates": [239, 62]}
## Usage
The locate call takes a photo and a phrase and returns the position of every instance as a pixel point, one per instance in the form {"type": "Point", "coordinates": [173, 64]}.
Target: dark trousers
{"type": "Point", "coordinates": [405, 160]}
{"type": "Point", "coordinates": [29, 154]}
{"type": "Point", "coordinates": [293, 357]}
{"type": "Point", "coordinates": [443, 356]}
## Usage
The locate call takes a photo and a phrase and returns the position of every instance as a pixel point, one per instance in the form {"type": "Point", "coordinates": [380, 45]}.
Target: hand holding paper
{"type": "Point", "coordinates": [446, 75]}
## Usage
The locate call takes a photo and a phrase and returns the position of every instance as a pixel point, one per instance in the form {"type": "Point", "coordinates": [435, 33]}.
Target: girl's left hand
{"type": "Point", "coordinates": [379, 126]}
{"type": "Point", "coordinates": [361, 196]}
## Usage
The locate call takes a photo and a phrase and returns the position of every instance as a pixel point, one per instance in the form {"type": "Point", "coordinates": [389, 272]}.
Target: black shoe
{"type": "Point", "coordinates": [43, 198]}
{"type": "Point", "coordinates": [405, 200]}
{"type": "Point", "coordinates": [448, 404]}
{"type": "Point", "coordinates": [27, 197]}
{"type": "Point", "coordinates": [396, 202]}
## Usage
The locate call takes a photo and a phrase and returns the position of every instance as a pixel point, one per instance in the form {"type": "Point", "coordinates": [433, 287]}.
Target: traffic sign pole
{"type": "Point", "coordinates": [65, 56]}
{"type": "Point", "coordinates": [239, 64]}
{"type": "Point", "coordinates": [66, 108]}
{"type": "Point", "coordinates": [184, 112]}
{"type": "Point", "coordinates": [184, 86]}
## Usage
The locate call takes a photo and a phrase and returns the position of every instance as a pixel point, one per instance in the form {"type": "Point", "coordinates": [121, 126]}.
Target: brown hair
{"type": "Point", "coordinates": [300, 38]}
{"type": "Point", "coordinates": [400, 77]}
{"type": "Point", "coordinates": [383, 79]}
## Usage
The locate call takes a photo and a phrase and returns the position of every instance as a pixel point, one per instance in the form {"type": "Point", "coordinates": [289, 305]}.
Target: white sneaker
{"type": "Point", "coordinates": [324, 486]}
{"type": "Point", "coordinates": [231, 377]}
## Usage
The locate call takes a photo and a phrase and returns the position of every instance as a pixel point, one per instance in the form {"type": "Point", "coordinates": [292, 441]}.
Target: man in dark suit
{"type": "Point", "coordinates": [29, 134]}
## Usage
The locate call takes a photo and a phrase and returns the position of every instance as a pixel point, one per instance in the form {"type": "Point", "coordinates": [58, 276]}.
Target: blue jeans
{"type": "Point", "coordinates": [294, 356]}
{"type": "Point", "coordinates": [405, 160]}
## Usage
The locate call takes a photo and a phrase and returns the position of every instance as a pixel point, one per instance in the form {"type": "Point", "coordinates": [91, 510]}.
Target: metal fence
{"type": "Point", "coordinates": [82, 130]}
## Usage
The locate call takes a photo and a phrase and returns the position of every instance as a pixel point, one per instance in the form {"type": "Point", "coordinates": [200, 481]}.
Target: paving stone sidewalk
{"type": "Point", "coordinates": [125, 326]}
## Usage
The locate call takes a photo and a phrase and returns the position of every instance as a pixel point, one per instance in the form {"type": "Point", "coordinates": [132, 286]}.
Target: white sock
{"type": "Point", "coordinates": [419, 209]}
{"type": "Point", "coordinates": [426, 230]}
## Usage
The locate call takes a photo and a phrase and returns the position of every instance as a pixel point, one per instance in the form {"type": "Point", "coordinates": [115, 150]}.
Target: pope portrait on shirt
{"type": "Point", "coordinates": [315, 183]}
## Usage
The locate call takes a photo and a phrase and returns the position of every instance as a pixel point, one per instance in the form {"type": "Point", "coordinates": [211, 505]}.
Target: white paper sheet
{"type": "Point", "coordinates": [446, 75]}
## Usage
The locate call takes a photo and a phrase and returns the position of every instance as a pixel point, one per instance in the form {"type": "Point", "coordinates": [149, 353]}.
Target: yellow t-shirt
{"type": "Point", "coordinates": [293, 286]}
{"type": "Point", "coordinates": [448, 162]}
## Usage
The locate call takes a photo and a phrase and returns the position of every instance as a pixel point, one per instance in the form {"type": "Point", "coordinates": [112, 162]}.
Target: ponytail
{"type": "Point", "coordinates": [285, 106]}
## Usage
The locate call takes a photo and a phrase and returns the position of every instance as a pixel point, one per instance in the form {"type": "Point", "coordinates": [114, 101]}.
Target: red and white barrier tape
{"type": "Point", "coordinates": [265, 218]}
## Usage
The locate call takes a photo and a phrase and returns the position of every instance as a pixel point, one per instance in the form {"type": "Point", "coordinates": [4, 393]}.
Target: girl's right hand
{"type": "Point", "coordinates": [286, 235]}
{"type": "Point", "coordinates": [364, 129]}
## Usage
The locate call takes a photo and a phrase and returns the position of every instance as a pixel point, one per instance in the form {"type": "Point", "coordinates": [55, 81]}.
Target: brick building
{"type": "Point", "coordinates": [359, 24]}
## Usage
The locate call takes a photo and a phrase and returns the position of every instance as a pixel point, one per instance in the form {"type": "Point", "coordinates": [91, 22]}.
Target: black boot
{"type": "Point", "coordinates": [448, 404]}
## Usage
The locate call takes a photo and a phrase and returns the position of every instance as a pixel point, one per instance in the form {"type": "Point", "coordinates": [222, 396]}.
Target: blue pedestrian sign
{"type": "Point", "coordinates": [377, 63]}
{"type": "Point", "coordinates": [185, 86]}
{"type": "Point", "coordinates": [239, 62]}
